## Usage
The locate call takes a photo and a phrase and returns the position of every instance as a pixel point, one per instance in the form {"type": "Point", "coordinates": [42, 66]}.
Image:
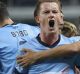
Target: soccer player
{"type": "Point", "coordinates": [48, 15]}
{"type": "Point", "coordinates": [11, 35]}
{"type": "Point", "coordinates": [15, 36]}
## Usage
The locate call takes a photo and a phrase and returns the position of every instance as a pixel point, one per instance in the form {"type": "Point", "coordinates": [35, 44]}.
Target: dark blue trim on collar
{"type": "Point", "coordinates": [50, 46]}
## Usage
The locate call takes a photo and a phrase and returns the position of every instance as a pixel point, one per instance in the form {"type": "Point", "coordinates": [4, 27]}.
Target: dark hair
{"type": "Point", "coordinates": [3, 12]}
{"type": "Point", "coordinates": [36, 11]}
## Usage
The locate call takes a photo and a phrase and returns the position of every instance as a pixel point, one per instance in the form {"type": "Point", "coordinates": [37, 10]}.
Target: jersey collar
{"type": "Point", "coordinates": [50, 46]}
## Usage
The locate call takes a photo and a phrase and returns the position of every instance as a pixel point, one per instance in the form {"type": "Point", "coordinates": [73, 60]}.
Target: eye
{"type": "Point", "coordinates": [54, 11]}
{"type": "Point", "coordinates": [46, 12]}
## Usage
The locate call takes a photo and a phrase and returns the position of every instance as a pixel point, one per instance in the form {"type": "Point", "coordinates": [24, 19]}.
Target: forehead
{"type": "Point", "coordinates": [49, 5]}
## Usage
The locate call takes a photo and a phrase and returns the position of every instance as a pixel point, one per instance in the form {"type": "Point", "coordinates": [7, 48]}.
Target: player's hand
{"type": "Point", "coordinates": [28, 58]}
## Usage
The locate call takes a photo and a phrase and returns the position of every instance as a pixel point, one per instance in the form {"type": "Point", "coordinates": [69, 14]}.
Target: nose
{"type": "Point", "coordinates": [51, 15]}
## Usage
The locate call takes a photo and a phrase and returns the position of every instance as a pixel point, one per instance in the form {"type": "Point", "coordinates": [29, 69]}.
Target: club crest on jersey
{"type": "Point", "coordinates": [22, 41]}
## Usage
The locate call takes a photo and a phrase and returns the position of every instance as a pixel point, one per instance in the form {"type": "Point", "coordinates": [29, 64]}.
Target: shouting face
{"type": "Point", "coordinates": [49, 11]}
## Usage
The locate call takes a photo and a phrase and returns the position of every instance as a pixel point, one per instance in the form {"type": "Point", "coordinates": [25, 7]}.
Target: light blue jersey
{"type": "Point", "coordinates": [10, 35]}
{"type": "Point", "coordinates": [63, 65]}
{"type": "Point", "coordinates": [75, 38]}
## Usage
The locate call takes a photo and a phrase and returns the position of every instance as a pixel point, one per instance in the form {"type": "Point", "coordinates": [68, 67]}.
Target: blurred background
{"type": "Point", "coordinates": [22, 10]}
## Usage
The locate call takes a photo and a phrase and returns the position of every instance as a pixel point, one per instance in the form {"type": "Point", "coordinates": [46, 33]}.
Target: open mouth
{"type": "Point", "coordinates": [51, 23]}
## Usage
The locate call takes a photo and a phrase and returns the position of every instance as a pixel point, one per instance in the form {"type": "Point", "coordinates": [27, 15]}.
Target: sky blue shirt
{"type": "Point", "coordinates": [63, 64]}
{"type": "Point", "coordinates": [10, 35]}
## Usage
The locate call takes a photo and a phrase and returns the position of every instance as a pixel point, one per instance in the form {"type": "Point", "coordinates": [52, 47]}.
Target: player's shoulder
{"type": "Point", "coordinates": [75, 38]}
{"type": "Point", "coordinates": [66, 39]}
{"type": "Point", "coordinates": [63, 37]}
{"type": "Point", "coordinates": [23, 24]}
{"type": "Point", "coordinates": [71, 39]}
{"type": "Point", "coordinates": [30, 26]}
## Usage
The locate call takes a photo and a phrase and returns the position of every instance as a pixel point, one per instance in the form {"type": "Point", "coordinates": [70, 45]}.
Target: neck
{"type": "Point", "coordinates": [49, 38]}
{"type": "Point", "coordinates": [5, 22]}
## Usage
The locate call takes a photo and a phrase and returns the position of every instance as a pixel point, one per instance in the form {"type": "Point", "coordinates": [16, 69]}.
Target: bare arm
{"type": "Point", "coordinates": [64, 50]}
{"type": "Point", "coordinates": [32, 56]}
